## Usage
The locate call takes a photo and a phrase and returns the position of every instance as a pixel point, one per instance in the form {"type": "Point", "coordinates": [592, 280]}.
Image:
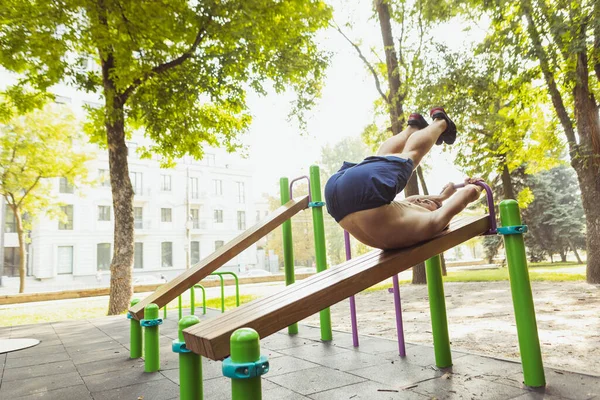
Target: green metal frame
{"type": "Point", "coordinates": [193, 299]}
{"type": "Point", "coordinates": [288, 245]}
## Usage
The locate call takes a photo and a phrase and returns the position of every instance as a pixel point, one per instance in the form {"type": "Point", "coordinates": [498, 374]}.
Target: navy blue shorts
{"type": "Point", "coordinates": [370, 184]}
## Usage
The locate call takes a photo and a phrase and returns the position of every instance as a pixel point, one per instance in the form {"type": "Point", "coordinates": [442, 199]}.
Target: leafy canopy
{"type": "Point", "coordinates": [35, 148]}
{"type": "Point", "coordinates": [182, 68]}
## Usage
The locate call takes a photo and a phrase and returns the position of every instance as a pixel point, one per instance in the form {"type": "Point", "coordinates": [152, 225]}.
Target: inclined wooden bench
{"type": "Point", "coordinates": [169, 291]}
{"type": "Point", "coordinates": [303, 299]}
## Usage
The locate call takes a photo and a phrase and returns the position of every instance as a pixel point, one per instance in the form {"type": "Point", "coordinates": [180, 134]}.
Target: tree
{"type": "Point", "coordinates": [555, 217]}
{"type": "Point", "coordinates": [177, 69]}
{"type": "Point", "coordinates": [34, 148]}
{"type": "Point", "coordinates": [559, 42]}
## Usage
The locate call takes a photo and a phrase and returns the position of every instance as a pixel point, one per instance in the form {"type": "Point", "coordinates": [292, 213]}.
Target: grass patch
{"type": "Point", "coordinates": [69, 310]}
{"type": "Point", "coordinates": [501, 274]}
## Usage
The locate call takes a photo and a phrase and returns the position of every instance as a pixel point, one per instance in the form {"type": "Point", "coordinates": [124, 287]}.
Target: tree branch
{"type": "Point", "coordinates": [555, 95]}
{"type": "Point", "coordinates": [167, 65]}
{"type": "Point", "coordinates": [364, 59]}
{"type": "Point", "coordinates": [29, 190]}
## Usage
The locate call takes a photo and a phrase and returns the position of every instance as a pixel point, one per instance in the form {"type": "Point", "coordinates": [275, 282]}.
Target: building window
{"type": "Point", "coordinates": [165, 215]}
{"type": "Point", "coordinates": [138, 217]}
{"type": "Point", "coordinates": [104, 177]}
{"type": "Point", "coordinates": [194, 188]}
{"type": "Point", "coordinates": [165, 183]}
{"type": "Point", "coordinates": [219, 216]}
{"type": "Point", "coordinates": [218, 187]}
{"type": "Point", "coordinates": [257, 216]}
{"type": "Point", "coordinates": [241, 220]}
{"type": "Point", "coordinates": [64, 260]}
{"type": "Point", "coordinates": [219, 243]}
{"type": "Point", "coordinates": [67, 225]}
{"type": "Point", "coordinates": [103, 256]}
{"type": "Point", "coordinates": [241, 192]}
{"type": "Point", "coordinates": [167, 254]}
{"type": "Point", "coordinates": [10, 220]}
{"type": "Point", "coordinates": [209, 159]}
{"type": "Point", "coordinates": [136, 182]}
{"type": "Point", "coordinates": [138, 255]}
{"type": "Point", "coordinates": [12, 261]}
{"type": "Point", "coordinates": [195, 252]}
{"type": "Point", "coordinates": [195, 216]}
{"type": "Point", "coordinates": [103, 213]}
{"type": "Point", "coordinates": [64, 186]}
{"type": "Point", "coordinates": [132, 149]}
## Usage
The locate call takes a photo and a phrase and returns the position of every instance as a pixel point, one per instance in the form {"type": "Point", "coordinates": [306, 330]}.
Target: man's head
{"type": "Point", "coordinates": [429, 204]}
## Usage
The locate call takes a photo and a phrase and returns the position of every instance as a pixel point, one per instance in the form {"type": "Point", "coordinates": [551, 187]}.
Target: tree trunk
{"type": "Point", "coordinates": [22, 250]}
{"type": "Point", "coordinates": [572, 246]}
{"type": "Point", "coordinates": [418, 274]}
{"type": "Point", "coordinates": [507, 186]}
{"type": "Point", "coordinates": [563, 255]}
{"type": "Point", "coordinates": [121, 289]}
{"type": "Point", "coordinates": [590, 193]}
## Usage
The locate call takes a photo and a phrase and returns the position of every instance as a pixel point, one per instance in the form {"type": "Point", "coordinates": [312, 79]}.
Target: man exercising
{"type": "Point", "coordinates": [361, 196]}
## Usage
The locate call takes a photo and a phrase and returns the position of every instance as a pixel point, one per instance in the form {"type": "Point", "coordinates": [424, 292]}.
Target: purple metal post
{"type": "Point", "coordinates": [352, 301]}
{"type": "Point", "coordinates": [399, 326]}
{"type": "Point", "coordinates": [297, 179]}
{"type": "Point", "coordinates": [490, 201]}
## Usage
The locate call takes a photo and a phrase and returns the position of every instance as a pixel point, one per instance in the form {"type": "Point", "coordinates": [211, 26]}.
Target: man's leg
{"type": "Point", "coordinates": [396, 143]}
{"type": "Point", "coordinates": [419, 143]}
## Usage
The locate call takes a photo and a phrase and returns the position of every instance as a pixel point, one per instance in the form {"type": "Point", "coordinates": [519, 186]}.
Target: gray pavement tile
{"type": "Point", "coordinates": [278, 393]}
{"type": "Point", "coordinates": [563, 384]}
{"type": "Point", "coordinates": [368, 391]}
{"type": "Point", "coordinates": [121, 378]}
{"type": "Point", "coordinates": [313, 351]}
{"type": "Point", "coordinates": [35, 371]}
{"type": "Point", "coordinates": [49, 343]}
{"type": "Point", "coordinates": [421, 355]}
{"type": "Point", "coordinates": [210, 370]}
{"type": "Point", "coordinates": [84, 347]}
{"type": "Point", "coordinates": [538, 396]}
{"type": "Point", "coordinates": [217, 389]}
{"type": "Point", "coordinates": [162, 389]}
{"type": "Point", "coordinates": [487, 368]}
{"type": "Point", "coordinates": [372, 345]}
{"type": "Point", "coordinates": [401, 373]}
{"type": "Point", "coordinates": [286, 364]}
{"type": "Point", "coordinates": [168, 359]}
{"type": "Point", "coordinates": [112, 364]}
{"type": "Point", "coordinates": [279, 341]}
{"type": "Point", "coordinates": [25, 387]}
{"type": "Point", "coordinates": [314, 380]}
{"type": "Point", "coordinates": [460, 387]}
{"type": "Point", "coordinates": [36, 360]}
{"type": "Point", "coordinates": [82, 358]}
{"type": "Point", "coordinates": [38, 350]}
{"type": "Point", "coordinates": [71, 393]}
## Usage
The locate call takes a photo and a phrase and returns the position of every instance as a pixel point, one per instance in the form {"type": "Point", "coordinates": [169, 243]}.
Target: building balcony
{"type": "Point", "coordinates": [198, 198]}
{"type": "Point", "coordinates": [142, 193]}
{"type": "Point", "coordinates": [142, 226]}
{"type": "Point", "coordinates": [196, 226]}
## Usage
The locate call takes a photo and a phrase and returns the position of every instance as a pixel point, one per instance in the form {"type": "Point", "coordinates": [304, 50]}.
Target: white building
{"type": "Point", "coordinates": [191, 209]}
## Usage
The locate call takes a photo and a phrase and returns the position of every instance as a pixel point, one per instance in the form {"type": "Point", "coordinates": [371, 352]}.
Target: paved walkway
{"type": "Point", "coordinates": [89, 360]}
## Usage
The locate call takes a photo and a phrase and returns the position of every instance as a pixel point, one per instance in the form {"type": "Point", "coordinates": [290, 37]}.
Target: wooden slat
{"type": "Point", "coordinates": [183, 282]}
{"type": "Point", "coordinates": [303, 299]}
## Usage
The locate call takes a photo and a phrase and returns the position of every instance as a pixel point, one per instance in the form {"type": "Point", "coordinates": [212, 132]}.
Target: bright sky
{"type": "Point", "coordinates": [277, 149]}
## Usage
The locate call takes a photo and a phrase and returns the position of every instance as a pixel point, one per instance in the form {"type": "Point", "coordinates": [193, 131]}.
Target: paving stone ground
{"type": "Point", "coordinates": [90, 360]}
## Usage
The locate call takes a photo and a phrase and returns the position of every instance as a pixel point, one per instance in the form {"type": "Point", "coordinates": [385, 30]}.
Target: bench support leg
{"type": "Point", "coordinates": [135, 335]}
{"type": "Point", "coordinates": [437, 306]}
{"type": "Point", "coordinates": [151, 338]}
{"type": "Point", "coordinates": [190, 364]}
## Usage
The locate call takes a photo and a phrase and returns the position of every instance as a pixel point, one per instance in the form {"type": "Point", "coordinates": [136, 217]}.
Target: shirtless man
{"type": "Point", "coordinates": [361, 196]}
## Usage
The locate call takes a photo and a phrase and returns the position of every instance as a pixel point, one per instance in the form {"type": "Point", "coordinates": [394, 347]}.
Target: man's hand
{"type": "Point", "coordinates": [448, 191]}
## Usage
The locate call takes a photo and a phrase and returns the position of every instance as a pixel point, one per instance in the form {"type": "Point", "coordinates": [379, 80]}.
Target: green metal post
{"type": "Point", "coordinates": [437, 306]}
{"type": "Point", "coordinates": [245, 348]}
{"type": "Point", "coordinates": [321, 255]}
{"type": "Point", "coordinates": [151, 340]}
{"type": "Point", "coordinates": [529, 343]}
{"type": "Point", "coordinates": [190, 366]}
{"type": "Point", "coordinates": [135, 336]}
{"type": "Point", "coordinates": [179, 303]}
{"type": "Point", "coordinates": [192, 301]}
{"type": "Point", "coordinates": [288, 245]}
{"type": "Point", "coordinates": [165, 312]}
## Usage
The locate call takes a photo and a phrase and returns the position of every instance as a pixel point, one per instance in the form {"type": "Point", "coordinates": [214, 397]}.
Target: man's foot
{"type": "Point", "coordinates": [417, 120]}
{"type": "Point", "coordinates": [449, 135]}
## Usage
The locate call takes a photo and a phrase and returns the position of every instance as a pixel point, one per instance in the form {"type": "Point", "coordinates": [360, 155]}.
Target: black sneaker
{"type": "Point", "coordinates": [417, 120]}
{"type": "Point", "coordinates": [449, 135]}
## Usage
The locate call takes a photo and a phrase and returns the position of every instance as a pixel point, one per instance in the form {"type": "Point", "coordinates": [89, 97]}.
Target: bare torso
{"type": "Point", "coordinates": [395, 225]}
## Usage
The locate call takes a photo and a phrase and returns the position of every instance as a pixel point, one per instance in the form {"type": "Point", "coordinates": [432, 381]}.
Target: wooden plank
{"type": "Point", "coordinates": [325, 278]}
{"type": "Point", "coordinates": [303, 299]}
{"type": "Point", "coordinates": [183, 282]}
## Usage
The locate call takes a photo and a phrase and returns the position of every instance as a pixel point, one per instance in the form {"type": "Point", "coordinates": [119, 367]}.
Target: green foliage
{"type": "Point", "coordinates": [555, 217]}
{"type": "Point", "coordinates": [182, 69]}
{"type": "Point", "coordinates": [34, 149]}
